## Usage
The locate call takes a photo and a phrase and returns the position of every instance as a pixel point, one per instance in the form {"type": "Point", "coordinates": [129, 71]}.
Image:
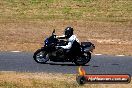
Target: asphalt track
{"type": "Point", "coordinates": [102, 64]}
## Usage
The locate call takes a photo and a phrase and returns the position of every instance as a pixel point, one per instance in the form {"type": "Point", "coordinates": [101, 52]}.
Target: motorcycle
{"type": "Point", "coordinates": [80, 54]}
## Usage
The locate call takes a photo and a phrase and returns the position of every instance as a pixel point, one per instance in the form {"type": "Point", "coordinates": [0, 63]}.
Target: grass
{"type": "Point", "coordinates": [24, 24]}
{"type": "Point", "coordinates": [44, 80]}
{"type": "Point", "coordinates": [93, 10]}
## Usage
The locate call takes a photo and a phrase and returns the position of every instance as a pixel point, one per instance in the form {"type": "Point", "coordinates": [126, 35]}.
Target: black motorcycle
{"type": "Point", "coordinates": [80, 54]}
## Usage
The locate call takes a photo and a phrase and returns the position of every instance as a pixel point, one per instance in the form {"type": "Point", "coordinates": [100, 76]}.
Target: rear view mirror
{"type": "Point", "coordinates": [53, 32]}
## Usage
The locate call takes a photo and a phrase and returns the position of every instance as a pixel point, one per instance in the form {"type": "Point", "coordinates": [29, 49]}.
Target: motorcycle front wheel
{"type": "Point", "coordinates": [41, 56]}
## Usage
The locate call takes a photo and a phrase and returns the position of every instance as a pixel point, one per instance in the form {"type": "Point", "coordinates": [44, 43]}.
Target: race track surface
{"type": "Point", "coordinates": [102, 64]}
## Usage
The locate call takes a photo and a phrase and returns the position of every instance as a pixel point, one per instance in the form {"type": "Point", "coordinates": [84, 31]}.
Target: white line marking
{"type": "Point", "coordinates": [15, 51]}
{"type": "Point", "coordinates": [98, 54]}
{"type": "Point", "coordinates": [120, 55]}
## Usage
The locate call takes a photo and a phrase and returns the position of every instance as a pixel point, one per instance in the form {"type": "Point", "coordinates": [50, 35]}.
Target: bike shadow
{"type": "Point", "coordinates": [63, 64]}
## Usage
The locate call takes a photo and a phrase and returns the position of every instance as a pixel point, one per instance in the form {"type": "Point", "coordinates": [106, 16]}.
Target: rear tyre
{"type": "Point", "coordinates": [83, 59]}
{"type": "Point", "coordinates": [41, 56]}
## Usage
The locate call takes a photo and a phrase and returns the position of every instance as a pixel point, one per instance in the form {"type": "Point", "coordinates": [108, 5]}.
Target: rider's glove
{"type": "Point", "coordinates": [58, 47]}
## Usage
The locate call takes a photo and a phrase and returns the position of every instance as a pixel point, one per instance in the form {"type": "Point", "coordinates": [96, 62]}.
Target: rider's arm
{"type": "Point", "coordinates": [61, 37]}
{"type": "Point", "coordinates": [70, 42]}
{"type": "Point", "coordinates": [68, 46]}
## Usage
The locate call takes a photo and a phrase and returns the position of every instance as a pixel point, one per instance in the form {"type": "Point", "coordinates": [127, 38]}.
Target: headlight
{"type": "Point", "coordinates": [46, 41]}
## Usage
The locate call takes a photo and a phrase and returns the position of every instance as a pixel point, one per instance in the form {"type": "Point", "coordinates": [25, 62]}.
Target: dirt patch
{"type": "Point", "coordinates": [109, 38]}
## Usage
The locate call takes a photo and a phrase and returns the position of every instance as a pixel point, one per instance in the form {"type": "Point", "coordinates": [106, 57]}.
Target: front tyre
{"type": "Point", "coordinates": [84, 59]}
{"type": "Point", "coordinates": [41, 56]}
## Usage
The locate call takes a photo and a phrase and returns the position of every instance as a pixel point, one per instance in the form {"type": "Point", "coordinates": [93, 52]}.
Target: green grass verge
{"type": "Point", "coordinates": [92, 10]}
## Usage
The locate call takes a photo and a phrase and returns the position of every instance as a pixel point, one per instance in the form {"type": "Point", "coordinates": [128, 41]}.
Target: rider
{"type": "Point", "coordinates": [69, 36]}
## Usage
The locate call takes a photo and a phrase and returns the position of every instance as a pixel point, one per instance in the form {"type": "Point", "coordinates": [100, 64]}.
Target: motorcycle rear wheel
{"type": "Point", "coordinates": [83, 60]}
{"type": "Point", "coordinates": [41, 56]}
